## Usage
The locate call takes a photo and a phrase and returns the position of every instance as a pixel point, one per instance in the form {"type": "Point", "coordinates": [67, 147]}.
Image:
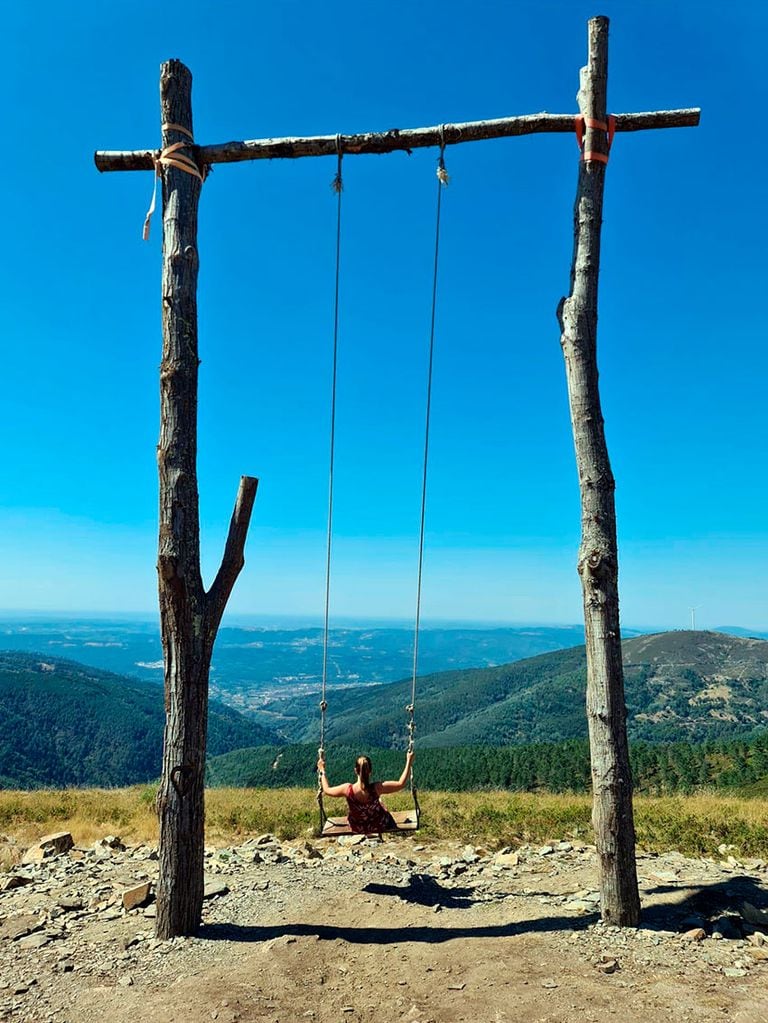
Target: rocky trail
{"type": "Point", "coordinates": [393, 931]}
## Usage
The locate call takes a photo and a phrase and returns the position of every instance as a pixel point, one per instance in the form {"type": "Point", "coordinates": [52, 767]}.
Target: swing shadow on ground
{"type": "Point", "coordinates": [423, 890]}
{"type": "Point", "coordinates": [705, 898]}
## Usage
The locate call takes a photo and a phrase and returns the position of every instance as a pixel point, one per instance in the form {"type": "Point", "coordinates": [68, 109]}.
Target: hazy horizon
{"type": "Point", "coordinates": [277, 620]}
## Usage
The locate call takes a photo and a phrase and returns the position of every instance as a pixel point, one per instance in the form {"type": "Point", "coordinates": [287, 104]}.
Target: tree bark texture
{"type": "Point", "coordinates": [394, 140]}
{"type": "Point", "coordinates": [189, 617]}
{"type": "Point", "coordinates": [612, 814]}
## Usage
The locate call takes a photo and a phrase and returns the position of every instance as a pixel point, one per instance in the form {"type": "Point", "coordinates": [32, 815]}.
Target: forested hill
{"type": "Point", "coordinates": [657, 768]}
{"type": "Point", "coordinates": [691, 686]}
{"type": "Point", "coordinates": [62, 723]}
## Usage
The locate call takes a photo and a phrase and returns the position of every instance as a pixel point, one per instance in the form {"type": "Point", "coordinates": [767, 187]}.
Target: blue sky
{"type": "Point", "coordinates": [682, 353]}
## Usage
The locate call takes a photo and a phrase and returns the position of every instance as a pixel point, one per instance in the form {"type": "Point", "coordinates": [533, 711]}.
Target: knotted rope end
{"type": "Point", "coordinates": [442, 173]}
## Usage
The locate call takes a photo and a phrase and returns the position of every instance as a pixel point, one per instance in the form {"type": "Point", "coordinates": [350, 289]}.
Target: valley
{"type": "Point", "coordinates": [66, 723]}
{"type": "Point", "coordinates": [254, 665]}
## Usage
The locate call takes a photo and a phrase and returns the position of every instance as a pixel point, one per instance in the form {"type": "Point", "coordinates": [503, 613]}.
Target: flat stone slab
{"type": "Point", "coordinates": [49, 845]}
{"type": "Point", "coordinates": [753, 915]}
{"type": "Point", "coordinates": [507, 860]}
{"type": "Point", "coordinates": [32, 941]}
{"type": "Point", "coordinates": [136, 896]}
{"type": "Point", "coordinates": [70, 903]}
{"type": "Point", "coordinates": [665, 876]}
{"type": "Point", "coordinates": [581, 906]}
{"type": "Point", "coordinates": [214, 888]}
{"type": "Point", "coordinates": [15, 927]}
{"type": "Point", "coordinates": [15, 881]}
{"type": "Point", "coordinates": [351, 839]}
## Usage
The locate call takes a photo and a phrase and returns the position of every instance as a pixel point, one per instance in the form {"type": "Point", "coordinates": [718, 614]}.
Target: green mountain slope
{"type": "Point", "coordinates": [62, 723]}
{"type": "Point", "coordinates": [691, 686]}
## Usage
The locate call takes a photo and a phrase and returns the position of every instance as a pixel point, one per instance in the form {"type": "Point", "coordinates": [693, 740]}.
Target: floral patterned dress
{"type": "Point", "coordinates": [367, 818]}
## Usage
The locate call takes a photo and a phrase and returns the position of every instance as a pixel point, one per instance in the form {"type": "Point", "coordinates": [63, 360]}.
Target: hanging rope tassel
{"type": "Point", "coordinates": [442, 173]}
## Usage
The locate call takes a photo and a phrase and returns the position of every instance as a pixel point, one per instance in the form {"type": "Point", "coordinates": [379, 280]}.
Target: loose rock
{"type": "Point", "coordinates": [16, 927]}
{"type": "Point", "coordinates": [607, 965]}
{"type": "Point", "coordinates": [507, 860]}
{"type": "Point", "coordinates": [15, 881]}
{"type": "Point", "coordinates": [754, 916]}
{"type": "Point", "coordinates": [136, 896]}
{"type": "Point", "coordinates": [214, 888]}
{"type": "Point", "coordinates": [49, 845]}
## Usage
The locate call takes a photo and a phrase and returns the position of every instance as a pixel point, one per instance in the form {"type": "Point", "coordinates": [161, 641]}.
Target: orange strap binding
{"type": "Point", "coordinates": [590, 122]}
{"type": "Point", "coordinates": [170, 157]}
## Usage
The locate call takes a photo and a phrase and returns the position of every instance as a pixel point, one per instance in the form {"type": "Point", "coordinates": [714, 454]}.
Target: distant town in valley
{"type": "Point", "coordinates": [259, 662]}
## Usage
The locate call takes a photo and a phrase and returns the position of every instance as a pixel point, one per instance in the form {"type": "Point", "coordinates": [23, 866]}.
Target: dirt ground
{"type": "Point", "coordinates": [392, 932]}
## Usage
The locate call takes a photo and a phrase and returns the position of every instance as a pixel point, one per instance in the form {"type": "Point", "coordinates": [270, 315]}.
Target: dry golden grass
{"type": "Point", "coordinates": [695, 825]}
{"type": "Point", "coordinates": [88, 813]}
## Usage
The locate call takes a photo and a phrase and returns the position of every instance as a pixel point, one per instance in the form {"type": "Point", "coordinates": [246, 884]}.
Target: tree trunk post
{"type": "Point", "coordinates": [189, 617]}
{"type": "Point", "coordinates": [612, 814]}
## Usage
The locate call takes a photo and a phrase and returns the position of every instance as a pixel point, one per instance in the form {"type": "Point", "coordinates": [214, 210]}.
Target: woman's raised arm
{"type": "Point", "coordinates": [386, 787]}
{"type": "Point", "coordinates": [329, 790]}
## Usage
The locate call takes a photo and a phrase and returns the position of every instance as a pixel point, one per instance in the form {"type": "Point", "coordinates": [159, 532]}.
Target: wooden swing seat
{"type": "Point", "coordinates": [405, 820]}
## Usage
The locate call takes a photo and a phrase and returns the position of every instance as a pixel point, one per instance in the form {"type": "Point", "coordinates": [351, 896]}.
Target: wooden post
{"type": "Point", "coordinates": [598, 568]}
{"type": "Point", "coordinates": [189, 617]}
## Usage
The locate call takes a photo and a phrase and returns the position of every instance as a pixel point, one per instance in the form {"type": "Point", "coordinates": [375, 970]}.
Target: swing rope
{"type": "Point", "coordinates": [442, 179]}
{"type": "Point", "coordinates": [338, 187]}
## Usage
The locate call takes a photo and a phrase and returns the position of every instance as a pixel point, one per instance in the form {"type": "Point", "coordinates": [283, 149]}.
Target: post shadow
{"type": "Point", "coordinates": [394, 935]}
{"type": "Point", "coordinates": [707, 899]}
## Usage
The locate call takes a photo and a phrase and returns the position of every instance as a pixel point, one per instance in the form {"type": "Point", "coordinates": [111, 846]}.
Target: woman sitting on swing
{"type": "Point", "coordinates": [366, 814]}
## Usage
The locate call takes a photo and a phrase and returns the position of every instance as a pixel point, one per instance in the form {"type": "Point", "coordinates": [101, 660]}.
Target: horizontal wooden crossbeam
{"type": "Point", "coordinates": [395, 139]}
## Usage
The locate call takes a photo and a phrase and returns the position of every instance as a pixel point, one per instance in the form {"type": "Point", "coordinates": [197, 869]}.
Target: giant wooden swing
{"type": "Point", "coordinates": [403, 820]}
{"type": "Point", "coordinates": [190, 615]}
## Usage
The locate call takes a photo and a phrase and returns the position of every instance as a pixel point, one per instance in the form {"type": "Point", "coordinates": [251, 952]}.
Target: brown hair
{"type": "Point", "coordinates": [363, 769]}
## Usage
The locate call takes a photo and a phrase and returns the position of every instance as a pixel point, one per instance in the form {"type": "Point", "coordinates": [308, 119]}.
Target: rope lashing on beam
{"type": "Point", "coordinates": [171, 156]}
{"type": "Point", "coordinates": [442, 173]}
{"type": "Point", "coordinates": [590, 122]}
{"type": "Point", "coordinates": [338, 184]}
